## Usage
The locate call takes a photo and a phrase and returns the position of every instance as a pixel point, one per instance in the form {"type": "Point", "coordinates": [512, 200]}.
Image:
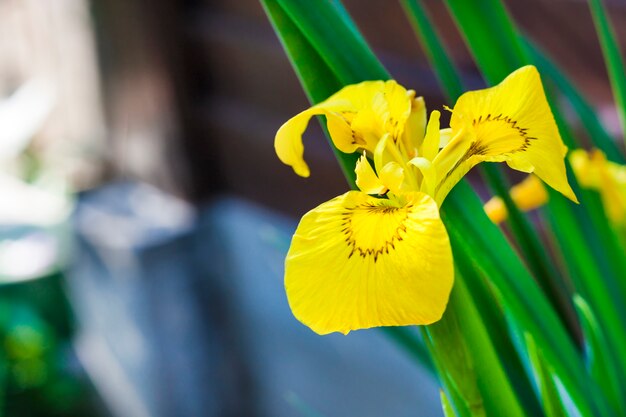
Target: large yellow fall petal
{"type": "Point", "coordinates": [510, 122]}
{"type": "Point", "coordinates": [357, 117]}
{"type": "Point", "coordinates": [357, 262]}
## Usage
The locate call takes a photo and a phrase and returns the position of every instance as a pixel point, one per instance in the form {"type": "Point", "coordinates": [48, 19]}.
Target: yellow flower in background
{"type": "Point", "coordinates": [381, 256]}
{"type": "Point", "coordinates": [595, 172]}
{"type": "Point", "coordinates": [527, 195]}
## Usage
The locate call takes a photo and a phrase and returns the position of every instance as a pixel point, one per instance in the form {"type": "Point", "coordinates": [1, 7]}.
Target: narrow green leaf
{"type": "Point", "coordinates": [408, 339]}
{"type": "Point", "coordinates": [492, 317]}
{"type": "Point", "coordinates": [339, 45]}
{"type": "Point", "coordinates": [552, 403]}
{"type": "Point", "coordinates": [599, 359]}
{"type": "Point", "coordinates": [458, 363]}
{"type": "Point", "coordinates": [612, 58]}
{"type": "Point", "coordinates": [455, 401]}
{"type": "Point", "coordinates": [318, 79]}
{"type": "Point", "coordinates": [470, 231]}
{"type": "Point", "coordinates": [445, 70]}
{"type": "Point", "coordinates": [592, 227]}
{"type": "Point", "coordinates": [498, 395]}
{"type": "Point", "coordinates": [591, 270]}
{"type": "Point", "coordinates": [607, 240]}
{"type": "Point", "coordinates": [446, 406]}
{"type": "Point", "coordinates": [490, 35]}
{"type": "Point", "coordinates": [548, 277]}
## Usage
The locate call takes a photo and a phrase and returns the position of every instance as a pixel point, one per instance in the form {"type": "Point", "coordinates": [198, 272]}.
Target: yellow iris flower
{"type": "Point", "coordinates": [527, 195]}
{"type": "Point", "coordinates": [595, 172]}
{"type": "Point", "coordinates": [381, 256]}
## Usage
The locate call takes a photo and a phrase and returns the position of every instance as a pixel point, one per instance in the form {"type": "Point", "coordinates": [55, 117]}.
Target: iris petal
{"type": "Point", "coordinates": [510, 122]}
{"type": "Point", "coordinates": [288, 143]}
{"type": "Point", "coordinates": [357, 262]}
{"type": "Point", "coordinates": [415, 125]}
{"type": "Point", "coordinates": [357, 117]}
{"type": "Point", "coordinates": [430, 147]}
{"type": "Point", "coordinates": [366, 178]}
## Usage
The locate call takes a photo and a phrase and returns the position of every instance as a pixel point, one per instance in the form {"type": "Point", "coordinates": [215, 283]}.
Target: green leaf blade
{"type": "Point", "coordinates": [612, 57]}
{"type": "Point", "coordinates": [445, 70]}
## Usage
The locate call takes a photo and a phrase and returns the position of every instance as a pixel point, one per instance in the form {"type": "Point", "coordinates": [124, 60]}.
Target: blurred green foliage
{"type": "Point", "coordinates": [39, 374]}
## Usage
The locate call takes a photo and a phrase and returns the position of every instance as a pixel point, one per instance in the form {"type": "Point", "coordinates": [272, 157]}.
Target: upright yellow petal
{"type": "Point", "coordinates": [510, 122]}
{"type": "Point", "coordinates": [430, 147]}
{"type": "Point", "coordinates": [415, 127]}
{"type": "Point", "coordinates": [357, 262]}
{"type": "Point", "coordinates": [428, 174]}
{"type": "Point", "coordinates": [392, 175]}
{"type": "Point", "coordinates": [394, 107]}
{"type": "Point", "coordinates": [357, 117]}
{"type": "Point", "coordinates": [366, 178]}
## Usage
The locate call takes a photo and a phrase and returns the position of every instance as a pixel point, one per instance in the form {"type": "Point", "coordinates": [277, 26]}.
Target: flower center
{"type": "Point", "coordinates": [374, 229]}
{"type": "Point", "coordinates": [499, 134]}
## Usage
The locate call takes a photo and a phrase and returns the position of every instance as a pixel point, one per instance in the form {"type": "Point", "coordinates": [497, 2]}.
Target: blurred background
{"type": "Point", "coordinates": [145, 217]}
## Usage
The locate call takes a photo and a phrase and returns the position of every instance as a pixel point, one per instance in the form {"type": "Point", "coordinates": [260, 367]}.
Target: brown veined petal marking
{"type": "Point", "coordinates": [358, 261]}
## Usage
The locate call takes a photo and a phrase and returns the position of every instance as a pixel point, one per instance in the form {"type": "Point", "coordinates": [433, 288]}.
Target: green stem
{"type": "Point", "coordinates": [449, 78]}
{"type": "Point", "coordinates": [464, 351]}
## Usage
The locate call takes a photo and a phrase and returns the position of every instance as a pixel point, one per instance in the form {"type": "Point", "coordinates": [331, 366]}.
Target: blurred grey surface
{"type": "Point", "coordinates": [183, 313]}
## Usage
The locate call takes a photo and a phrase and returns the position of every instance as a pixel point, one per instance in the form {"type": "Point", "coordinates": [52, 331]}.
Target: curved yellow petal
{"type": "Point", "coordinates": [357, 262]}
{"type": "Point", "coordinates": [366, 178]}
{"type": "Point", "coordinates": [510, 122]}
{"type": "Point", "coordinates": [288, 142]}
{"type": "Point", "coordinates": [357, 117]}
